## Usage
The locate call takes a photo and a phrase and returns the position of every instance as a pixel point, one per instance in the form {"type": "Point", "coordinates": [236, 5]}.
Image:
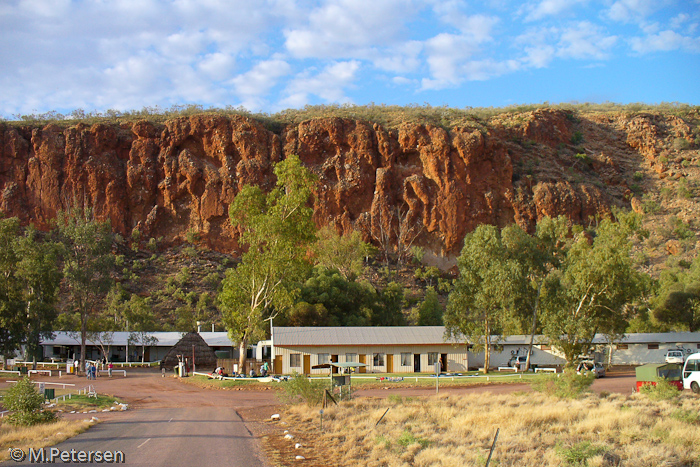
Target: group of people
{"type": "Point", "coordinates": [92, 368]}
{"type": "Point", "coordinates": [220, 372]}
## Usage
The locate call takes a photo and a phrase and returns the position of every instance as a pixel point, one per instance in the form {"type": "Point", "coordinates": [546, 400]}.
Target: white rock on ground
{"type": "Point", "coordinates": [297, 446]}
{"type": "Point", "coordinates": [275, 416]}
{"type": "Point", "coordinates": [300, 458]}
{"type": "Point", "coordinates": [288, 436]}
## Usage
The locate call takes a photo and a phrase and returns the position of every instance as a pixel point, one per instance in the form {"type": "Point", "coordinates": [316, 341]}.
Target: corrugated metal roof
{"type": "Point", "coordinates": [376, 335]}
{"type": "Point", "coordinates": [165, 339]}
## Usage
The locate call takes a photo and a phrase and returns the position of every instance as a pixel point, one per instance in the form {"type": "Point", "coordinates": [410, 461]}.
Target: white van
{"type": "Point", "coordinates": [691, 373]}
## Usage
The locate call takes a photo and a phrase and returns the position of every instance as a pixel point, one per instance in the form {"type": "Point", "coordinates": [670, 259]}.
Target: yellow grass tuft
{"type": "Point", "coordinates": [535, 430]}
{"type": "Point", "coordinates": [38, 436]}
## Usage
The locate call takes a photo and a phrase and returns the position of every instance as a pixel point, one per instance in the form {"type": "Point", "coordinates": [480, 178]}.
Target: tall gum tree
{"type": "Point", "coordinates": [481, 304]}
{"type": "Point", "coordinates": [29, 281]}
{"type": "Point", "coordinates": [87, 266]}
{"type": "Point", "coordinates": [277, 229]}
{"type": "Point", "coordinates": [590, 291]}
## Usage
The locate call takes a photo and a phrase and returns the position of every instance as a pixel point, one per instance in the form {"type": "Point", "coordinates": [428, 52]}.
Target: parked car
{"type": "Point", "coordinates": [691, 373]}
{"type": "Point", "coordinates": [590, 366]}
{"type": "Point", "coordinates": [675, 356]}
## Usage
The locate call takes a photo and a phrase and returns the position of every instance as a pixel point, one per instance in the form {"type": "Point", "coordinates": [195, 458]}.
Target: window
{"type": "Point", "coordinates": [351, 357]}
{"type": "Point", "coordinates": [545, 347]}
{"type": "Point", "coordinates": [653, 346]}
{"type": "Point", "coordinates": [406, 359]}
{"type": "Point", "coordinates": [621, 346]}
{"type": "Point", "coordinates": [295, 360]}
{"type": "Point", "coordinates": [378, 359]}
{"type": "Point", "coordinates": [323, 358]}
{"type": "Point", "coordinates": [698, 345]}
{"type": "Point", "coordinates": [692, 365]}
{"type": "Point", "coordinates": [432, 358]}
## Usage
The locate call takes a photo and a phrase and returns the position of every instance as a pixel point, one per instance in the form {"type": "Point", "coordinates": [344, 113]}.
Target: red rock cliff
{"type": "Point", "coordinates": [423, 181]}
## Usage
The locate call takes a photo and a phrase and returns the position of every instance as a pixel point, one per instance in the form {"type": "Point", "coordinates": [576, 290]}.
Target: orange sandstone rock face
{"type": "Point", "coordinates": [418, 181]}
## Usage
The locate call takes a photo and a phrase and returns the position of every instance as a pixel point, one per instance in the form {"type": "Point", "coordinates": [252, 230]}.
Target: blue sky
{"type": "Point", "coordinates": [270, 55]}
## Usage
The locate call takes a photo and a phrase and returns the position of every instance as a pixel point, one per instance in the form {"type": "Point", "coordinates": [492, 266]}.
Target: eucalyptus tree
{"type": "Point", "coordinates": [87, 265]}
{"type": "Point", "coordinates": [591, 290]}
{"type": "Point", "coordinates": [277, 229]}
{"type": "Point", "coordinates": [40, 277]}
{"type": "Point", "coordinates": [678, 302]}
{"type": "Point", "coordinates": [29, 283]}
{"type": "Point", "coordinates": [539, 255]}
{"type": "Point", "coordinates": [481, 306]}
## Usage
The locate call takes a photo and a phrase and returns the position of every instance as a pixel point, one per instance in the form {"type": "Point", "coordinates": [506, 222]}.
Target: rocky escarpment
{"type": "Point", "coordinates": [419, 183]}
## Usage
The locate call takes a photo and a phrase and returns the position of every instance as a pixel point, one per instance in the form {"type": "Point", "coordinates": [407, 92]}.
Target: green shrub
{"type": "Point", "coordinates": [583, 158]}
{"type": "Point", "coordinates": [417, 253]}
{"type": "Point", "coordinates": [680, 144]}
{"type": "Point", "coordinates": [183, 276]}
{"type": "Point", "coordinates": [407, 438]}
{"type": "Point", "coordinates": [638, 176]}
{"type": "Point", "coordinates": [661, 391]}
{"type": "Point", "coordinates": [579, 453]}
{"type": "Point", "coordinates": [577, 138]}
{"type": "Point", "coordinates": [212, 280]}
{"type": "Point", "coordinates": [687, 416]}
{"type": "Point", "coordinates": [24, 402]}
{"type": "Point", "coordinates": [299, 388]}
{"type": "Point", "coordinates": [567, 385]}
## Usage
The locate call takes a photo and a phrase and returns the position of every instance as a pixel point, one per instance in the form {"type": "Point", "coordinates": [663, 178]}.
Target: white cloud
{"type": "Point", "coordinates": [349, 29]}
{"type": "Point", "coordinates": [585, 41]}
{"type": "Point", "coordinates": [329, 85]}
{"type": "Point", "coordinates": [545, 8]}
{"type": "Point", "coordinates": [663, 42]}
{"type": "Point", "coordinates": [403, 58]}
{"type": "Point", "coordinates": [632, 10]}
{"type": "Point", "coordinates": [479, 27]}
{"type": "Point", "coordinates": [252, 86]}
{"type": "Point", "coordinates": [217, 65]}
{"type": "Point", "coordinates": [447, 53]}
{"type": "Point", "coordinates": [537, 46]}
{"type": "Point", "coordinates": [452, 60]}
{"type": "Point", "coordinates": [678, 21]}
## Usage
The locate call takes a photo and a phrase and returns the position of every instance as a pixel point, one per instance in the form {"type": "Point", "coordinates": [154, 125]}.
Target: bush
{"type": "Point", "coordinates": [579, 453]}
{"type": "Point", "coordinates": [577, 138]}
{"type": "Point", "coordinates": [661, 391]}
{"type": "Point", "coordinates": [567, 385]}
{"type": "Point", "coordinates": [302, 389]}
{"type": "Point", "coordinates": [24, 401]}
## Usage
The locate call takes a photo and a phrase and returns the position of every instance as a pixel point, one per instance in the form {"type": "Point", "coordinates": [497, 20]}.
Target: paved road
{"type": "Point", "coordinates": [176, 437]}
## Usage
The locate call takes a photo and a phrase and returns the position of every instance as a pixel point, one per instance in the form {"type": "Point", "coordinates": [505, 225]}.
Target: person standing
{"type": "Point", "coordinates": [110, 366]}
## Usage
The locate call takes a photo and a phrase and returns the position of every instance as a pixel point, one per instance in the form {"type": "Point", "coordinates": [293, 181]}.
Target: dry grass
{"type": "Point", "coordinates": [535, 430]}
{"type": "Point", "coordinates": [38, 436]}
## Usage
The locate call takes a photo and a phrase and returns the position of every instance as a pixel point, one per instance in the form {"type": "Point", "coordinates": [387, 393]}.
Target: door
{"type": "Point", "coordinates": [443, 357]}
{"type": "Point", "coordinates": [362, 359]}
{"type": "Point", "coordinates": [416, 363]}
{"type": "Point", "coordinates": [334, 359]}
{"type": "Point", "coordinates": [307, 364]}
{"type": "Point", "coordinates": [389, 363]}
{"type": "Point", "coordinates": [277, 366]}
